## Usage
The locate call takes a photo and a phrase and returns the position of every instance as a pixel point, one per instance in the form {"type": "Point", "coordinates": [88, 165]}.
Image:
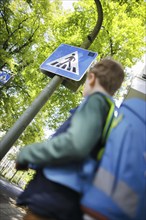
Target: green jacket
{"type": "Point", "coordinates": [77, 142]}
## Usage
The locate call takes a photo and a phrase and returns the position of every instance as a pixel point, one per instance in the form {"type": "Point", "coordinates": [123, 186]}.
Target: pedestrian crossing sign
{"type": "Point", "coordinates": [4, 77]}
{"type": "Point", "coordinates": [68, 61]}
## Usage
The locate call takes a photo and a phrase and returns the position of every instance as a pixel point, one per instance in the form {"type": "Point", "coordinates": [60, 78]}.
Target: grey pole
{"type": "Point", "coordinates": [20, 125]}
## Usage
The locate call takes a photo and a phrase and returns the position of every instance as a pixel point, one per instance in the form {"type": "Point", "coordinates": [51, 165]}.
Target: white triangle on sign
{"type": "Point", "coordinates": [69, 63]}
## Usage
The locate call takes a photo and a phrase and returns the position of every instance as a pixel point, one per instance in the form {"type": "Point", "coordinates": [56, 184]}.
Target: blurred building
{"type": "Point", "coordinates": [138, 86]}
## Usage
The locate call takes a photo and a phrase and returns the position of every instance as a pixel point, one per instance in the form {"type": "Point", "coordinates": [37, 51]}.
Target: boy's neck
{"type": "Point", "coordinates": [99, 88]}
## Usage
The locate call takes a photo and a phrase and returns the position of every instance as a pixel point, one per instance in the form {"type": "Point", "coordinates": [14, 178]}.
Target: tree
{"type": "Point", "coordinates": [32, 30]}
{"type": "Point", "coordinates": [24, 26]}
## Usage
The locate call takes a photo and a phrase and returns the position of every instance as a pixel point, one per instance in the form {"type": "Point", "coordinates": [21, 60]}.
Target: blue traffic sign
{"type": "Point", "coordinates": [69, 61]}
{"type": "Point", "coordinates": [4, 77]}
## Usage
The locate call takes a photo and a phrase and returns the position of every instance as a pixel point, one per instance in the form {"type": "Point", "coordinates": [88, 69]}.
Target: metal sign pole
{"type": "Point", "coordinates": [20, 125]}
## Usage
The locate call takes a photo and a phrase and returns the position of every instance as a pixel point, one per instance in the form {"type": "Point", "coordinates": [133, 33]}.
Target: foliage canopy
{"type": "Point", "coordinates": [31, 30]}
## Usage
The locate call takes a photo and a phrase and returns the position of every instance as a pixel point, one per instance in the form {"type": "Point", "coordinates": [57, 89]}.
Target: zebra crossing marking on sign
{"type": "Point", "coordinates": [68, 63]}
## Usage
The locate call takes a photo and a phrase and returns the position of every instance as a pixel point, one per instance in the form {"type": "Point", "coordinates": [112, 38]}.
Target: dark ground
{"type": "Point", "coordinates": [8, 194]}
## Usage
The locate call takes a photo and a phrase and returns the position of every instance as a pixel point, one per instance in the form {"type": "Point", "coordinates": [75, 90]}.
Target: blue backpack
{"type": "Point", "coordinates": [118, 190]}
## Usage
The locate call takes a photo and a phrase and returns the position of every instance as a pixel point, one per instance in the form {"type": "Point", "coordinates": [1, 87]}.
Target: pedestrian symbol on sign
{"type": "Point", "coordinates": [68, 63]}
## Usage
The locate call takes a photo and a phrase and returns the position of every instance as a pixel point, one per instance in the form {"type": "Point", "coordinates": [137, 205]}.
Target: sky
{"type": "Point", "coordinates": [67, 4]}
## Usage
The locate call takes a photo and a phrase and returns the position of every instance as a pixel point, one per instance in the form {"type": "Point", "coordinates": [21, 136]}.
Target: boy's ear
{"type": "Point", "coordinates": [92, 79]}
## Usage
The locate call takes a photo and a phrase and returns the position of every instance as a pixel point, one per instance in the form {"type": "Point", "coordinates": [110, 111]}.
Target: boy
{"type": "Point", "coordinates": [53, 193]}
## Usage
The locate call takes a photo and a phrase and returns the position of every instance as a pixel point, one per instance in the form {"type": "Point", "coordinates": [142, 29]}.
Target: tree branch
{"type": "Point", "coordinates": [30, 39]}
{"type": "Point", "coordinates": [5, 21]}
{"type": "Point", "coordinates": [5, 44]}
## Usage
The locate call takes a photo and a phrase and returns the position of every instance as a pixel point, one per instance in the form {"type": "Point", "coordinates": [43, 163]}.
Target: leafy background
{"type": "Point", "coordinates": [31, 30]}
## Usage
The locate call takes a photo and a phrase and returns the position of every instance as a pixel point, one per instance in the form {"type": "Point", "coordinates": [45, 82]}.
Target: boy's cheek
{"type": "Point", "coordinates": [85, 88]}
{"type": "Point", "coordinates": [84, 91]}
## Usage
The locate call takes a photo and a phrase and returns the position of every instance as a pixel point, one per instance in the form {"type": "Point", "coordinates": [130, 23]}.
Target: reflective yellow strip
{"type": "Point", "coordinates": [100, 153]}
{"type": "Point", "coordinates": [116, 121]}
{"type": "Point", "coordinates": [119, 191]}
{"type": "Point", "coordinates": [109, 117]}
{"type": "Point", "coordinates": [106, 127]}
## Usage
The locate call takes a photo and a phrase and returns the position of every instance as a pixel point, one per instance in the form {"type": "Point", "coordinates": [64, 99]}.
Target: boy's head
{"type": "Point", "coordinates": [106, 75]}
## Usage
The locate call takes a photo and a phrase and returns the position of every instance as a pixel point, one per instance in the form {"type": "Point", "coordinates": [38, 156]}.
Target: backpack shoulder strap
{"type": "Point", "coordinates": [107, 126]}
